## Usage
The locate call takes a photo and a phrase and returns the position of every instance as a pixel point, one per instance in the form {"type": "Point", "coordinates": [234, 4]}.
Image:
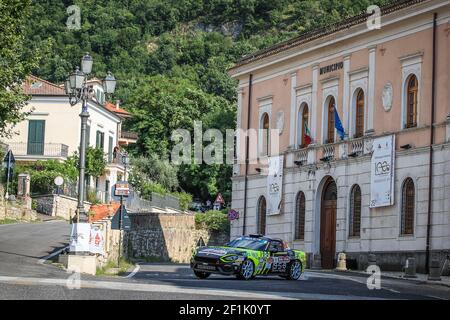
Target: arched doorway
{"type": "Point", "coordinates": [328, 224]}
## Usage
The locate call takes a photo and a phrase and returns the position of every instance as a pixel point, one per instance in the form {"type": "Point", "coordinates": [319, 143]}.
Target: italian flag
{"type": "Point", "coordinates": [307, 135]}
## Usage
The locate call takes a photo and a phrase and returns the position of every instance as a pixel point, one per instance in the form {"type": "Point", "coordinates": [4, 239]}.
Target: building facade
{"type": "Point", "coordinates": [52, 130]}
{"type": "Point", "coordinates": [382, 82]}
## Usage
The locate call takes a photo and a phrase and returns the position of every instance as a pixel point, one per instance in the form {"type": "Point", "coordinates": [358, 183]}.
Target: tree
{"type": "Point", "coordinates": [14, 66]}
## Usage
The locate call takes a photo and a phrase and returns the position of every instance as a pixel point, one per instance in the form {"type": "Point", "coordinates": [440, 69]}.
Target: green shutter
{"type": "Point", "coordinates": [110, 149]}
{"type": "Point", "coordinates": [36, 134]}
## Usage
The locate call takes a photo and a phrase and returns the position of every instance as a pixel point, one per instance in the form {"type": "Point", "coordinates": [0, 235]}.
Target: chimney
{"type": "Point", "coordinates": [117, 104]}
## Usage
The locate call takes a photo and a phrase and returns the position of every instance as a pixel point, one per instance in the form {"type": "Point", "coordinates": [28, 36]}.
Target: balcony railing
{"type": "Point", "coordinates": [328, 151]}
{"type": "Point", "coordinates": [43, 150]}
{"type": "Point", "coordinates": [128, 135]}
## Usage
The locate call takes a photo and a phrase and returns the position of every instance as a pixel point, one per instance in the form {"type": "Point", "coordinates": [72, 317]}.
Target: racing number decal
{"type": "Point", "coordinates": [280, 263]}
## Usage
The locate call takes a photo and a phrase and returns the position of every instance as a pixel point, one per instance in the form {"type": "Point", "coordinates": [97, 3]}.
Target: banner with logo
{"type": "Point", "coordinates": [79, 237]}
{"type": "Point", "coordinates": [382, 172]}
{"type": "Point", "coordinates": [96, 241]}
{"type": "Point", "coordinates": [274, 185]}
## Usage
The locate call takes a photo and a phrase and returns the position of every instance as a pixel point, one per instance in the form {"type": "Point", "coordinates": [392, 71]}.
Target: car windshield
{"type": "Point", "coordinates": [249, 243]}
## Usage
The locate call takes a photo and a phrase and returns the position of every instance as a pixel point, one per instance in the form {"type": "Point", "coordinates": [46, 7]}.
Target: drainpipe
{"type": "Point", "coordinates": [247, 145]}
{"type": "Point", "coordinates": [430, 180]}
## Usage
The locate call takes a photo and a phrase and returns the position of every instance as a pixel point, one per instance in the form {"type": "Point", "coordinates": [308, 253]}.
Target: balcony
{"type": "Point", "coordinates": [127, 138]}
{"type": "Point", "coordinates": [314, 154]}
{"type": "Point", "coordinates": [39, 151]}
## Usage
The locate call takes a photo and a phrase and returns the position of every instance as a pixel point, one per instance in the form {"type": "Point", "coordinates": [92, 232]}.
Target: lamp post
{"type": "Point", "coordinates": [78, 90]}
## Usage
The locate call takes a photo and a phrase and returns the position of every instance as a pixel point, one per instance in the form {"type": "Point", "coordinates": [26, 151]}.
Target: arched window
{"type": "Point", "coordinates": [411, 102]}
{"type": "Point", "coordinates": [261, 222]}
{"type": "Point", "coordinates": [300, 207]}
{"type": "Point", "coordinates": [355, 211]}
{"type": "Point", "coordinates": [330, 123]}
{"type": "Point", "coordinates": [305, 116]}
{"type": "Point", "coordinates": [359, 114]}
{"type": "Point", "coordinates": [266, 134]}
{"type": "Point", "coordinates": [408, 204]}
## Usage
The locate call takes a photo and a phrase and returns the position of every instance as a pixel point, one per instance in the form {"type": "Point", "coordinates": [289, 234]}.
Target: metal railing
{"type": "Point", "coordinates": [39, 149]}
{"type": "Point", "coordinates": [128, 135]}
{"type": "Point", "coordinates": [135, 203]}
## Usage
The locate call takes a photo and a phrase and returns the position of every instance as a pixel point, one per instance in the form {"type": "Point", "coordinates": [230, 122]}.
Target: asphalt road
{"type": "Point", "coordinates": [24, 276]}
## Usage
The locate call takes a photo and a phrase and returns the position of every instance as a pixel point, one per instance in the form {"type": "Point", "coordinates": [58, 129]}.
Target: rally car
{"type": "Point", "coordinates": [248, 257]}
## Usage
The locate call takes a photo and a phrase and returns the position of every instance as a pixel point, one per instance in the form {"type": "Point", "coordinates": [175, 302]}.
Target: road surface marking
{"type": "Point", "coordinates": [176, 289]}
{"type": "Point", "coordinates": [136, 270]}
{"type": "Point", "coordinates": [42, 261]}
{"type": "Point", "coordinates": [438, 298]}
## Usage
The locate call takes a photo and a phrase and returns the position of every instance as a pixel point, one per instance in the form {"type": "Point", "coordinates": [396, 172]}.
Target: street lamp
{"type": "Point", "coordinates": [77, 89]}
{"type": "Point", "coordinates": [125, 162]}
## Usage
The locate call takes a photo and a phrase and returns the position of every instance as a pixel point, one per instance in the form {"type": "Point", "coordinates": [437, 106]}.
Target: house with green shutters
{"type": "Point", "coordinates": [52, 130]}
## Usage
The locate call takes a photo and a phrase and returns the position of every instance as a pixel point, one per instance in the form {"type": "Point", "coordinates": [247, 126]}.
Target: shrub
{"type": "Point", "coordinates": [212, 221]}
{"type": "Point", "coordinates": [185, 199]}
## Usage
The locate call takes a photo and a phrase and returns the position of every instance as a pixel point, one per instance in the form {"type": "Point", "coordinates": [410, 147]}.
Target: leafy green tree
{"type": "Point", "coordinates": [170, 57]}
{"type": "Point", "coordinates": [14, 66]}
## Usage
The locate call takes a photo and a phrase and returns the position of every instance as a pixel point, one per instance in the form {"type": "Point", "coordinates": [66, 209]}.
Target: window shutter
{"type": "Point", "coordinates": [300, 216]}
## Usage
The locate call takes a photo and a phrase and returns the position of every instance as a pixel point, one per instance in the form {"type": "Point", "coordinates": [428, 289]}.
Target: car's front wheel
{"type": "Point", "coordinates": [202, 275]}
{"type": "Point", "coordinates": [246, 271]}
{"type": "Point", "coordinates": [294, 270]}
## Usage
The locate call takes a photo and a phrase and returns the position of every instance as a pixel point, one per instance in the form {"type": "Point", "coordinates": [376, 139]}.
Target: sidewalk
{"type": "Point", "coordinates": [421, 278]}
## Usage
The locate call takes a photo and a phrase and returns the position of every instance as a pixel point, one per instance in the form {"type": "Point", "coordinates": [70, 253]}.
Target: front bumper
{"type": "Point", "coordinates": [215, 266]}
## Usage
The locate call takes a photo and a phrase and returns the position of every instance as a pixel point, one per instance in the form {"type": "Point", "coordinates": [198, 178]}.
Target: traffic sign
{"type": "Point", "coordinates": [233, 215]}
{"type": "Point", "coordinates": [126, 222]}
{"type": "Point", "coordinates": [219, 199]}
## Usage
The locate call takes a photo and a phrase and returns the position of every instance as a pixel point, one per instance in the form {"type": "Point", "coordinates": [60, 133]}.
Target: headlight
{"type": "Point", "coordinates": [230, 258]}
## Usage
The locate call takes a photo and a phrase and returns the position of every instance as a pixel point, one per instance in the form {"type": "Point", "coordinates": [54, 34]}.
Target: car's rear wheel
{"type": "Point", "coordinates": [246, 271]}
{"type": "Point", "coordinates": [202, 275]}
{"type": "Point", "coordinates": [294, 270]}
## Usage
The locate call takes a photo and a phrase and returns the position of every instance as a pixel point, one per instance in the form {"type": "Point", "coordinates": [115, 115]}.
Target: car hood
{"type": "Point", "coordinates": [219, 251]}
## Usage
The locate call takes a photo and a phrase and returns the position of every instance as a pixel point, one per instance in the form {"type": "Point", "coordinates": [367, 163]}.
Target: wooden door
{"type": "Point", "coordinates": [328, 225]}
{"type": "Point", "coordinates": [328, 234]}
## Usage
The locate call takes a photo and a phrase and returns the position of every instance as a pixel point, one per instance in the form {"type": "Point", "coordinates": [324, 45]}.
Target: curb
{"type": "Point", "coordinates": [414, 280]}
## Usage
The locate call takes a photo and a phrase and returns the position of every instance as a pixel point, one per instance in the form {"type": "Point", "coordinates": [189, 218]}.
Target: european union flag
{"type": "Point", "coordinates": [338, 125]}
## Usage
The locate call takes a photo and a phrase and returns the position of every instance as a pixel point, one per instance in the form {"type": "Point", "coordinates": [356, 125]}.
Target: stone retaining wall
{"type": "Point", "coordinates": [58, 205]}
{"type": "Point", "coordinates": [167, 237]}
{"type": "Point", "coordinates": [15, 209]}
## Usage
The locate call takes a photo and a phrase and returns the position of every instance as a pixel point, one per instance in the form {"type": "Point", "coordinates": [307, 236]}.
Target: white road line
{"type": "Point", "coordinates": [438, 298]}
{"type": "Point", "coordinates": [136, 270]}
{"type": "Point", "coordinates": [42, 261]}
{"type": "Point", "coordinates": [326, 275]}
{"type": "Point", "coordinates": [176, 289]}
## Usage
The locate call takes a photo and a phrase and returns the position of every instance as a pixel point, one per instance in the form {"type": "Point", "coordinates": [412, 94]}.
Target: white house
{"type": "Point", "coordinates": [52, 130]}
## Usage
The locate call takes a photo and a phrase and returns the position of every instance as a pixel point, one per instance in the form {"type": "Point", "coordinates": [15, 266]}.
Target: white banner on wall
{"type": "Point", "coordinates": [96, 241]}
{"type": "Point", "coordinates": [79, 237]}
{"type": "Point", "coordinates": [274, 185]}
{"type": "Point", "coordinates": [382, 172]}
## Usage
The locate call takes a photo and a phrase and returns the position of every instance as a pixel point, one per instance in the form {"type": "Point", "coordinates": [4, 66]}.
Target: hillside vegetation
{"type": "Point", "coordinates": [171, 59]}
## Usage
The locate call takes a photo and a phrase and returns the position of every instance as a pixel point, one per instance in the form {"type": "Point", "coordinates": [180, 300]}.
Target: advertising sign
{"type": "Point", "coordinates": [96, 241]}
{"type": "Point", "coordinates": [274, 185]}
{"type": "Point", "coordinates": [79, 237]}
{"type": "Point", "coordinates": [122, 189]}
{"type": "Point", "coordinates": [382, 172]}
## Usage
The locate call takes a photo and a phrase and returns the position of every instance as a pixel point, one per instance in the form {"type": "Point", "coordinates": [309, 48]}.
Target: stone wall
{"type": "Point", "coordinates": [112, 240]}
{"type": "Point", "coordinates": [167, 237]}
{"type": "Point", "coordinates": [14, 209]}
{"type": "Point", "coordinates": [58, 205]}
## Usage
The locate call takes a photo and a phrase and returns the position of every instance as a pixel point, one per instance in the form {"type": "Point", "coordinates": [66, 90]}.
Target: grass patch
{"type": "Point", "coordinates": [111, 268]}
{"type": "Point", "coordinates": [8, 221]}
